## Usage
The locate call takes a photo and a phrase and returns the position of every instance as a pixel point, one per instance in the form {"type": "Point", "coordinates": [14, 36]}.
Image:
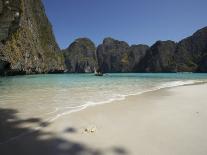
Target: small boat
{"type": "Point", "coordinates": [98, 73]}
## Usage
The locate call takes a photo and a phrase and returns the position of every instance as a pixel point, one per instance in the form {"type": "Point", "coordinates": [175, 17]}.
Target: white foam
{"type": "Point", "coordinates": [118, 97]}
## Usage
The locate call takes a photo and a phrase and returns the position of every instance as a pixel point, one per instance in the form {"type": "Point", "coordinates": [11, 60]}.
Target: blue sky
{"type": "Point", "coordinates": [134, 21]}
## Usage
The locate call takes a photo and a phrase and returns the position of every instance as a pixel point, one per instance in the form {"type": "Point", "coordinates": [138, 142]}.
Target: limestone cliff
{"type": "Point", "coordinates": [80, 56]}
{"type": "Point", "coordinates": [191, 52]}
{"type": "Point", "coordinates": [188, 55]}
{"type": "Point", "coordinates": [117, 56]}
{"type": "Point", "coordinates": [27, 43]}
{"type": "Point", "coordinates": [135, 55]}
{"type": "Point", "coordinates": [112, 55]}
{"type": "Point", "coordinates": [160, 57]}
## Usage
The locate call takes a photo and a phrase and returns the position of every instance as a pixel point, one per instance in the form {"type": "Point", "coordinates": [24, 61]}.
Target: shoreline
{"type": "Point", "coordinates": [114, 124]}
{"type": "Point", "coordinates": [88, 106]}
{"type": "Point", "coordinates": [85, 106]}
{"type": "Point", "coordinates": [166, 121]}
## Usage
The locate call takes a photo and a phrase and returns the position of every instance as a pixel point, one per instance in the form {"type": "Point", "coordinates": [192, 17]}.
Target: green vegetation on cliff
{"type": "Point", "coordinates": [31, 46]}
{"type": "Point", "coordinates": [80, 56]}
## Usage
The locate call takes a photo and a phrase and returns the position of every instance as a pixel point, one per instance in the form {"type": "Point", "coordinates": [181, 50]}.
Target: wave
{"type": "Point", "coordinates": [117, 97]}
{"type": "Point", "coordinates": [120, 97]}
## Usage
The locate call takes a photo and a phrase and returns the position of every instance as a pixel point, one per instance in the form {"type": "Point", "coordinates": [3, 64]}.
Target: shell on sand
{"type": "Point", "coordinates": [90, 129]}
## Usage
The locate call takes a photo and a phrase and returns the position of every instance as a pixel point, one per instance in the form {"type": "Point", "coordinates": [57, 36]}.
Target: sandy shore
{"type": "Point", "coordinates": [164, 122]}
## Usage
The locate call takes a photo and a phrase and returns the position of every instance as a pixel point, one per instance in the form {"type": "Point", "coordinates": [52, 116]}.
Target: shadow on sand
{"type": "Point", "coordinates": [34, 143]}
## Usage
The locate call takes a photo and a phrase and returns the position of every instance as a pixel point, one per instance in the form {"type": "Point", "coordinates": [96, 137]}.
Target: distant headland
{"type": "Point", "coordinates": [28, 46]}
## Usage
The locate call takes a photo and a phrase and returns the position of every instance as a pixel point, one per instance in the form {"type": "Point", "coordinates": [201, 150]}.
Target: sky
{"type": "Point", "coordinates": [133, 21]}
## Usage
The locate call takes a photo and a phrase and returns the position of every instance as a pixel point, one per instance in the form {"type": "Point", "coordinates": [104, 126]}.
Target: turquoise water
{"type": "Point", "coordinates": [51, 96]}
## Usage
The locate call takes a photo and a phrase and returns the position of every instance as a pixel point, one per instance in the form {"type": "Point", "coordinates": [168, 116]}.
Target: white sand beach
{"type": "Point", "coordinates": [164, 122]}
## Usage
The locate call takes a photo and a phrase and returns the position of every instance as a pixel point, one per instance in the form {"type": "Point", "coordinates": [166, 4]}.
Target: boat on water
{"type": "Point", "coordinates": [98, 72]}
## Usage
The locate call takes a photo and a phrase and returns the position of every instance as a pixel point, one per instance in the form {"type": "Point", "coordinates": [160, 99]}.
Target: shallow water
{"type": "Point", "coordinates": [51, 96]}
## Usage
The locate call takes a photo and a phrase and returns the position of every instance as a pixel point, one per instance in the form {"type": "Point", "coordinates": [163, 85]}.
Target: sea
{"type": "Point", "coordinates": [50, 96]}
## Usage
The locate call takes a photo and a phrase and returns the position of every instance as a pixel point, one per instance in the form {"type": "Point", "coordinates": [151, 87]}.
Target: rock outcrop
{"type": "Point", "coordinates": [159, 58]}
{"type": "Point", "coordinates": [135, 55]}
{"type": "Point", "coordinates": [188, 55]}
{"type": "Point", "coordinates": [191, 52]}
{"type": "Point", "coordinates": [112, 55]}
{"type": "Point", "coordinates": [202, 66]}
{"type": "Point", "coordinates": [117, 56]}
{"type": "Point", "coordinates": [27, 43]}
{"type": "Point", "coordinates": [80, 56]}
{"type": "Point", "coordinates": [27, 46]}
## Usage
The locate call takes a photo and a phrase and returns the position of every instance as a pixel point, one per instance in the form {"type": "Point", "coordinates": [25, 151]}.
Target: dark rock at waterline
{"type": "Point", "coordinates": [27, 42]}
{"type": "Point", "coordinates": [202, 67]}
{"type": "Point", "coordinates": [80, 56]}
{"type": "Point", "coordinates": [4, 67]}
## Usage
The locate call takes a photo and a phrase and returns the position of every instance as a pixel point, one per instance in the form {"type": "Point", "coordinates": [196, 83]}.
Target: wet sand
{"type": "Point", "coordinates": [164, 122]}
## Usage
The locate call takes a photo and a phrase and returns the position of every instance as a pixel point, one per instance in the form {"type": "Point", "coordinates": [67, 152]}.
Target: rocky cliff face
{"type": "Point", "coordinates": [27, 43]}
{"type": "Point", "coordinates": [188, 55]}
{"type": "Point", "coordinates": [202, 66]}
{"type": "Point", "coordinates": [159, 58]}
{"type": "Point", "coordinates": [117, 56]}
{"type": "Point", "coordinates": [135, 55]}
{"type": "Point", "coordinates": [191, 52]}
{"type": "Point", "coordinates": [27, 46]}
{"type": "Point", "coordinates": [112, 55]}
{"type": "Point", "coordinates": [80, 56]}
